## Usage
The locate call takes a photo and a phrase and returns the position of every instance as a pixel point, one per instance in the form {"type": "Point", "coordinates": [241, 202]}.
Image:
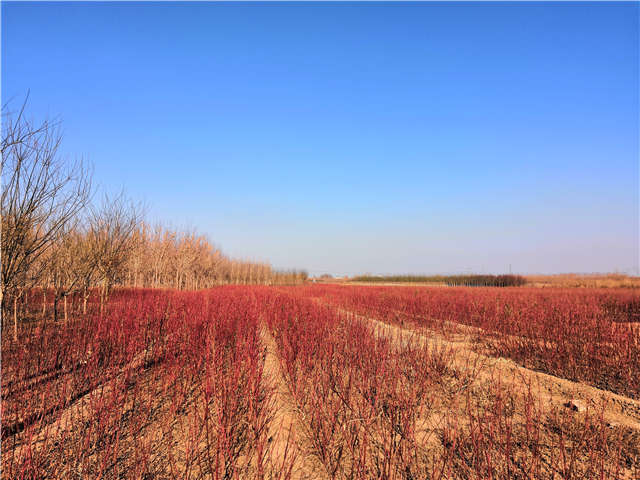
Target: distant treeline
{"type": "Point", "coordinates": [451, 280]}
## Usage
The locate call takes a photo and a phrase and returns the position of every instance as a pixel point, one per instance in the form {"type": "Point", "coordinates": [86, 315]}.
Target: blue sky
{"type": "Point", "coordinates": [351, 138]}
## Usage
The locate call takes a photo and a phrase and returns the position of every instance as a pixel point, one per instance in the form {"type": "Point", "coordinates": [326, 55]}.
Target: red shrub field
{"type": "Point", "coordinates": [586, 335]}
{"type": "Point", "coordinates": [329, 382]}
{"type": "Point", "coordinates": [163, 385]}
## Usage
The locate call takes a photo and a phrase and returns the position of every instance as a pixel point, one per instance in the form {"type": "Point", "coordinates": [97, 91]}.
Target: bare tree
{"type": "Point", "coordinates": [111, 229]}
{"type": "Point", "coordinates": [42, 192]}
{"type": "Point", "coordinates": [71, 268]}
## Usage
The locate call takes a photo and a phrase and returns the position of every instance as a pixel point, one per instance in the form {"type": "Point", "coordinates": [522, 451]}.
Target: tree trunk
{"type": "Point", "coordinates": [15, 318]}
{"type": "Point", "coordinates": [103, 296]}
{"type": "Point", "coordinates": [55, 306]}
{"type": "Point", "coordinates": [65, 310]}
{"type": "Point", "coordinates": [2, 308]}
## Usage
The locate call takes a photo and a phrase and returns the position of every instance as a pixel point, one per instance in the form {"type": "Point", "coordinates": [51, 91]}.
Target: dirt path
{"type": "Point", "coordinates": [551, 390]}
{"type": "Point", "coordinates": [289, 447]}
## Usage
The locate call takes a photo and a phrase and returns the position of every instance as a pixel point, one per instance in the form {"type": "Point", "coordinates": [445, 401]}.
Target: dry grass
{"type": "Point", "coordinates": [574, 280]}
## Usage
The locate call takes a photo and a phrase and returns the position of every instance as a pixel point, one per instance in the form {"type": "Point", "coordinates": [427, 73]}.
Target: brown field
{"type": "Point", "coordinates": [574, 280]}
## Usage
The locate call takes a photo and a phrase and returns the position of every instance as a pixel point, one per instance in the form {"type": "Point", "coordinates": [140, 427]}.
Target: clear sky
{"type": "Point", "coordinates": [353, 138]}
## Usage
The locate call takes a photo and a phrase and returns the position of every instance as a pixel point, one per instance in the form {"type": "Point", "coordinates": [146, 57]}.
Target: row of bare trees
{"type": "Point", "coordinates": [115, 248]}
{"type": "Point", "coordinates": [165, 258]}
{"type": "Point", "coordinates": [56, 237]}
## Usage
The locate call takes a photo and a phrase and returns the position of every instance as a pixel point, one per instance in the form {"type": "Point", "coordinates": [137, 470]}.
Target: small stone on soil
{"type": "Point", "coordinates": [576, 405]}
